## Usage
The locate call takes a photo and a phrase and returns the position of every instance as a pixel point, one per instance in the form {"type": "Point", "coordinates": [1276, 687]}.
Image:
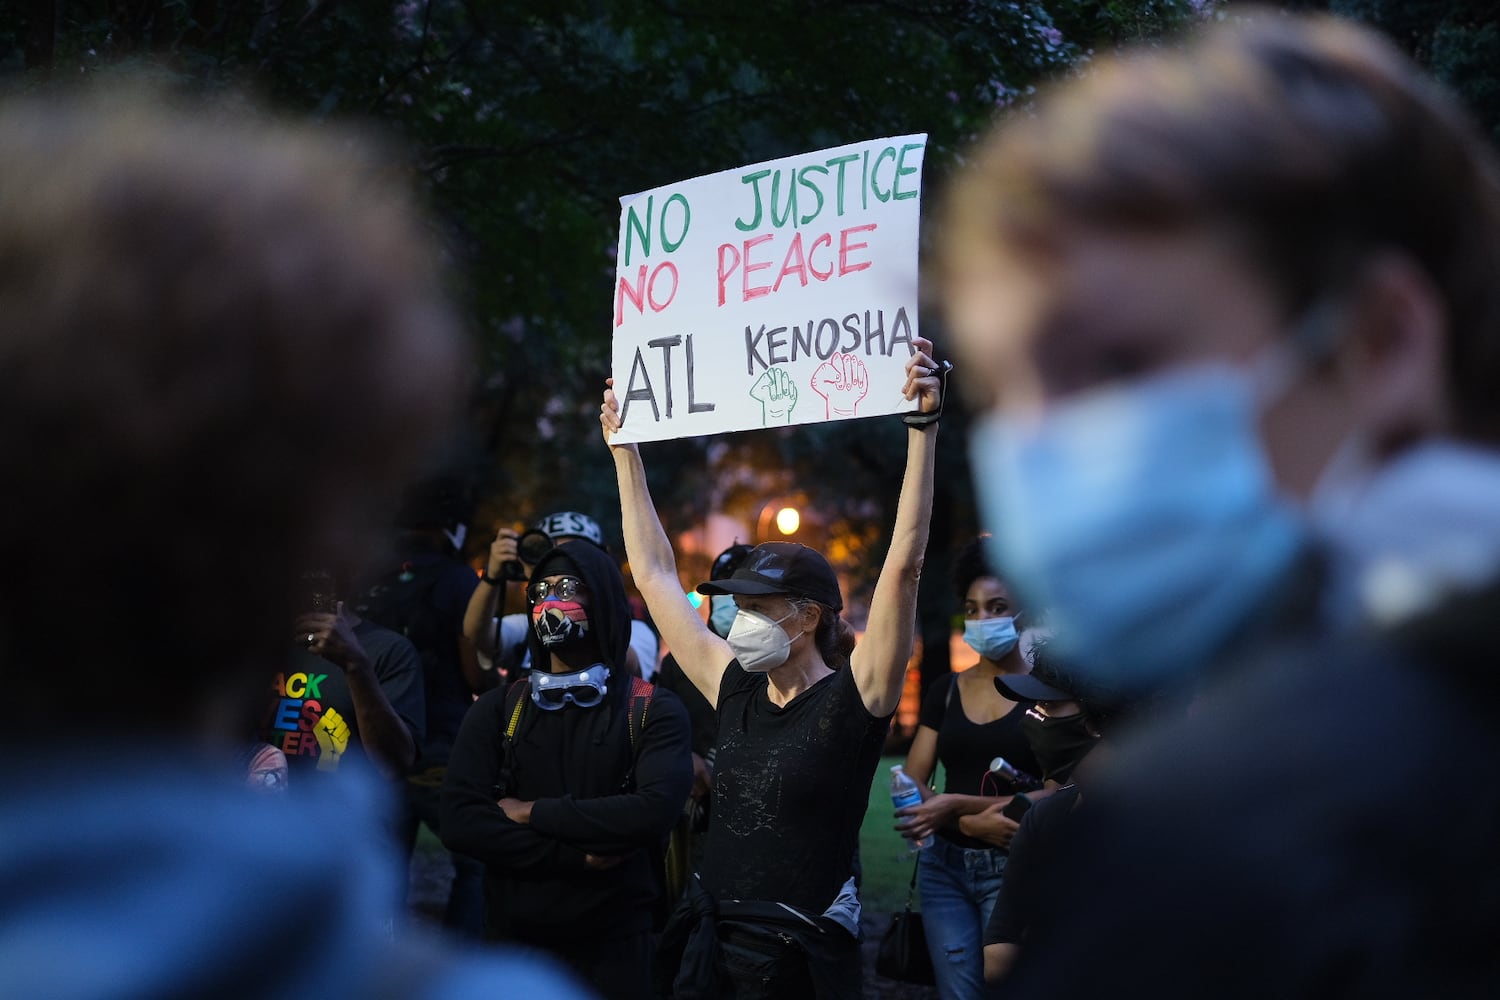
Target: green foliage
{"type": "Point", "coordinates": [1458, 41]}
{"type": "Point", "coordinates": [526, 122]}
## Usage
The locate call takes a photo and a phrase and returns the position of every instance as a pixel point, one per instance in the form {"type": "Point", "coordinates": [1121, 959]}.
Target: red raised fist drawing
{"type": "Point", "coordinates": [842, 381]}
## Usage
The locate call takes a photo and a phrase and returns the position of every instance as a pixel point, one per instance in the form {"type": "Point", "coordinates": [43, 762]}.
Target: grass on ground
{"type": "Point", "coordinates": [883, 852]}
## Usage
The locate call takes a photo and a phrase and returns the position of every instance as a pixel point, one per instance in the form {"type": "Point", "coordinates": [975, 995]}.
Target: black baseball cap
{"type": "Point", "coordinates": [729, 560]}
{"type": "Point", "coordinates": [782, 568]}
{"type": "Point", "coordinates": [1029, 687]}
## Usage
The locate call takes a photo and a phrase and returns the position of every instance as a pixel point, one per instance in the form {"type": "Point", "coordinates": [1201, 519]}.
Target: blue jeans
{"type": "Point", "coordinates": [959, 889]}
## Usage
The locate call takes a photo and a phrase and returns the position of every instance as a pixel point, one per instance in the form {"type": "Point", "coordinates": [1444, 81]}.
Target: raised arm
{"type": "Point", "coordinates": [701, 654]}
{"type": "Point", "coordinates": [879, 661]}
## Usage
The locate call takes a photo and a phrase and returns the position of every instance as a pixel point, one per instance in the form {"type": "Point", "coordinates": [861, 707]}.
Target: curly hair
{"type": "Point", "coordinates": [970, 564]}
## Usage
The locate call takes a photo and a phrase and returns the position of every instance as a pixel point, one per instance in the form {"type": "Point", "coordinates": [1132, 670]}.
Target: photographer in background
{"type": "Point", "coordinates": [502, 638]}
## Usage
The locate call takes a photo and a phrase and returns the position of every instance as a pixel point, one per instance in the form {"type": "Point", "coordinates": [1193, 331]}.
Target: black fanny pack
{"type": "Point", "coordinates": [765, 949]}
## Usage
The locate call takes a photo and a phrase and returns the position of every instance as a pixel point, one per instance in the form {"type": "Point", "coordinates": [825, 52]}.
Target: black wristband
{"type": "Point", "coordinates": [486, 578]}
{"type": "Point", "coordinates": [922, 420]}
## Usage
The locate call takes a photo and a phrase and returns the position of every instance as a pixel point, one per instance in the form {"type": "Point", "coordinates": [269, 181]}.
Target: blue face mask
{"type": "Point", "coordinates": [722, 610]}
{"type": "Point", "coordinates": [1143, 517]}
{"type": "Point", "coordinates": [991, 638]}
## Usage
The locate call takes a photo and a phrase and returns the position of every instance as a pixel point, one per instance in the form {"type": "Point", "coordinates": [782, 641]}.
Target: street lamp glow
{"type": "Point", "coordinates": [788, 520]}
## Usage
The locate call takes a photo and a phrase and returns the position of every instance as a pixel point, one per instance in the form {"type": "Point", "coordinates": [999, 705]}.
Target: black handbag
{"type": "Point", "coordinates": [903, 949]}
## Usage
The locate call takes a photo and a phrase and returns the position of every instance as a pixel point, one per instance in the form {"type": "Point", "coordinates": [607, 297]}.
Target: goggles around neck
{"type": "Point", "coordinates": [584, 688]}
{"type": "Point", "coordinates": [565, 589]}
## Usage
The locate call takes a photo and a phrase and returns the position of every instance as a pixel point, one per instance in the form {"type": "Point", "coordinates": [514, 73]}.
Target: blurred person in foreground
{"type": "Point", "coordinates": [192, 305]}
{"type": "Point", "coordinates": [1220, 297]}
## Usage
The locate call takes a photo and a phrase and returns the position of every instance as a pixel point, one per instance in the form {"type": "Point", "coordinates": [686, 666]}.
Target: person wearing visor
{"type": "Point", "coordinates": [566, 783]}
{"type": "Point", "coordinates": [1233, 308]}
{"type": "Point", "coordinates": [226, 344]}
{"type": "Point", "coordinates": [501, 639]}
{"type": "Point", "coordinates": [801, 723]}
{"type": "Point", "coordinates": [966, 722]}
{"type": "Point", "coordinates": [1056, 726]}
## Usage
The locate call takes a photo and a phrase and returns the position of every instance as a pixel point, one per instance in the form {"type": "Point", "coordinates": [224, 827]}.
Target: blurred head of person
{"type": "Point", "coordinates": [1189, 288]}
{"type": "Point", "coordinates": [223, 346]}
{"type": "Point", "coordinates": [993, 618]}
{"type": "Point", "coordinates": [434, 516]}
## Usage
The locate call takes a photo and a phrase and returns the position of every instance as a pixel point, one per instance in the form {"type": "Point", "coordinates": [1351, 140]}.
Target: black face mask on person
{"type": "Point", "coordinates": [1057, 744]}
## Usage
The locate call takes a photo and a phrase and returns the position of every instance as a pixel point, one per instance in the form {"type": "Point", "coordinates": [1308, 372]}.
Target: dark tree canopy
{"type": "Point", "coordinates": [524, 123]}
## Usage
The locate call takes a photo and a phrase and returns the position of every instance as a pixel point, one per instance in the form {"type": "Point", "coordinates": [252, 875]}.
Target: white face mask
{"type": "Point", "coordinates": [758, 641]}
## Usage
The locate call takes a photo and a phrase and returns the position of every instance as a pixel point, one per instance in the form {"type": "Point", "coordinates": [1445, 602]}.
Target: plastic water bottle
{"type": "Point", "coordinates": [904, 792]}
{"type": "Point", "coordinates": [1002, 768]}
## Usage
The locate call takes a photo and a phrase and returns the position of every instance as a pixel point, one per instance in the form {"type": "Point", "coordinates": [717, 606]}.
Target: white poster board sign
{"type": "Point", "coordinates": [779, 293]}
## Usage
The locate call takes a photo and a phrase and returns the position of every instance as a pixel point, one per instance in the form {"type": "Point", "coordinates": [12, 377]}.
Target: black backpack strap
{"type": "Point", "coordinates": [516, 697]}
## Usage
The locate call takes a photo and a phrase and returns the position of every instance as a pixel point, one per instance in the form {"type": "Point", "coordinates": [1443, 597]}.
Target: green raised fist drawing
{"type": "Point", "coordinates": [777, 394]}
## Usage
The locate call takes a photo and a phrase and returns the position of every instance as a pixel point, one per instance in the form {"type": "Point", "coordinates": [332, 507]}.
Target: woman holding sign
{"type": "Point", "coordinates": [802, 721]}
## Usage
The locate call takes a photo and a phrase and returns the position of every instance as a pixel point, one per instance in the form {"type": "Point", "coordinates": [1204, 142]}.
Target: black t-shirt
{"type": "Point", "coordinates": [311, 718]}
{"type": "Point", "coordinates": [1032, 850]}
{"type": "Point", "coordinates": [791, 788]}
{"type": "Point", "coordinates": [965, 748]}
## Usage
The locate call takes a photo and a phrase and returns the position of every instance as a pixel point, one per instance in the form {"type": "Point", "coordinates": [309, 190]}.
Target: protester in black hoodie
{"type": "Point", "coordinates": [567, 784]}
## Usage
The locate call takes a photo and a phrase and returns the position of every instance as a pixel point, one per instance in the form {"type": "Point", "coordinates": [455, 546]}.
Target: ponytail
{"type": "Point", "coordinates": [834, 636]}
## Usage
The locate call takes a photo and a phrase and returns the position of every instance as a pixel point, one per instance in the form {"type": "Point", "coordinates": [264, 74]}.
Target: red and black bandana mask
{"type": "Point", "coordinates": [558, 623]}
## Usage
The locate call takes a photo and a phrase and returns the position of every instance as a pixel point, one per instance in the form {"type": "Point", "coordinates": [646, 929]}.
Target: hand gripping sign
{"type": "Point", "coordinates": [780, 293]}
